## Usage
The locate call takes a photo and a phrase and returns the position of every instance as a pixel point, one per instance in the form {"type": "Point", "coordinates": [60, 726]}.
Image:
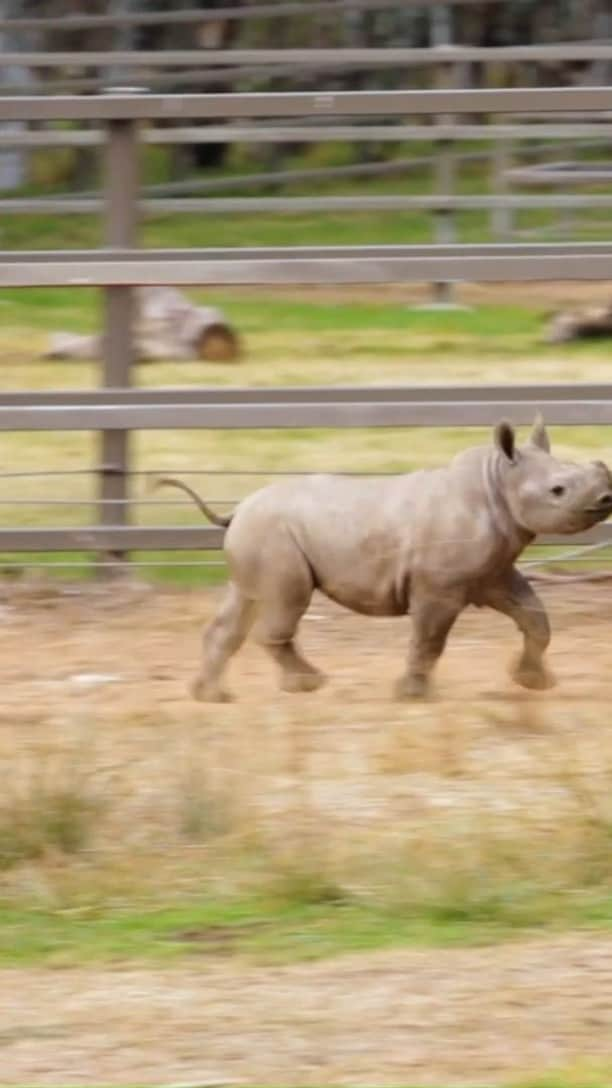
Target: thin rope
{"type": "Point", "coordinates": [78, 564]}
{"type": "Point", "coordinates": [576, 555]}
{"type": "Point", "coordinates": [41, 474]}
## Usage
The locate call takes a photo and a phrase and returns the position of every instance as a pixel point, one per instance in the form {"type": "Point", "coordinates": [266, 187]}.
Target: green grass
{"type": "Point", "coordinates": [584, 1074]}
{"type": "Point", "coordinates": [177, 569]}
{"type": "Point", "coordinates": [288, 340]}
{"type": "Point", "coordinates": [36, 307]}
{"type": "Point", "coordinates": [274, 229]}
{"type": "Point", "coordinates": [340, 228]}
{"type": "Point", "coordinates": [263, 929]}
{"type": "Point", "coordinates": [255, 929]}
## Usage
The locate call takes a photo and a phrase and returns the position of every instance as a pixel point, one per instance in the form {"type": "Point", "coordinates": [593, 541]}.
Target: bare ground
{"type": "Point", "coordinates": [103, 673]}
{"type": "Point", "coordinates": [453, 1017]}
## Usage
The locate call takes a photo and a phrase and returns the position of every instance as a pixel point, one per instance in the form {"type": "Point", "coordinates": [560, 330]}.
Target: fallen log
{"type": "Point", "coordinates": [166, 326]}
{"type": "Point", "coordinates": [593, 322]}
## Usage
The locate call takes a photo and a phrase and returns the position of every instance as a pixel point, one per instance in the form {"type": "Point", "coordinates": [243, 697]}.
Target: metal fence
{"type": "Point", "coordinates": [363, 58]}
{"type": "Point", "coordinates": [444, 132]}
{"type": "Point", "coordinates": [118, 409]}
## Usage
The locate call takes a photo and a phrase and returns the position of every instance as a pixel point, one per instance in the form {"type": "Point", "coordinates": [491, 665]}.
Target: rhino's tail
{"type": "Point", "coordinates": [217, 519]}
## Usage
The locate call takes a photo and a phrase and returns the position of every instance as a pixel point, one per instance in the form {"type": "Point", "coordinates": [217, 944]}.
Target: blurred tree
{"type": "Point", "coordinates": [13, 162]}
{"type": "Point", "coordinates": [504, 22]}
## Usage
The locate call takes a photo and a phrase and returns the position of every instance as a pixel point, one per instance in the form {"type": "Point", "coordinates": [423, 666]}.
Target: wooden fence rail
{"type": "Point", "coordinates": [305, 133]}
{"type": "Point", "coordinates": [509, 263]}
{"type": "Point", "coordinates": [255, 415]}
{"type": "Point", "coordinates": [389, 57]}
{"type": "Point", "coordinates": [543, 395]}
{"type": "Point", "coordinates": [295, 205]}
{"type": "Point", "coordinates": [133, 107]}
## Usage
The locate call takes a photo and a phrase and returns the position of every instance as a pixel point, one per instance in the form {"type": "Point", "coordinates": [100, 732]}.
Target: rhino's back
{"type": "Point", "coordinates": [354, 533]}
{"type": "Point", "coordinates": [367, 541]}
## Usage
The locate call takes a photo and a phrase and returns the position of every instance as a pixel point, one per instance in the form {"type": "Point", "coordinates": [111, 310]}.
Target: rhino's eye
{"type": "Point", "coordinates": [558, 490]}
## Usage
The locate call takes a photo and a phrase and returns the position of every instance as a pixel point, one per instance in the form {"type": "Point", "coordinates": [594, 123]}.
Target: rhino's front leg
{"type": "Point", "coordinates": [516, 598]}
{"type": "Point", "coordinates": [432, 619]}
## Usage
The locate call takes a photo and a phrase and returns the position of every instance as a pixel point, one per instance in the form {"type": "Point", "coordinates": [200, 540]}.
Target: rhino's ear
{"type": "Point", "coordinates": [603, 465]}
{"type": "Point", "coordinates": [503, 436]}
{"type": "Point", "coordinates": [539, 435]}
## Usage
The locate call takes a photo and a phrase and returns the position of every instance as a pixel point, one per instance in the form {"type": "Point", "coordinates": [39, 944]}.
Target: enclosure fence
{"type": "Point", "coordinates": [445, 62]}
{"type": "Point", "coordinates": [120, 265]}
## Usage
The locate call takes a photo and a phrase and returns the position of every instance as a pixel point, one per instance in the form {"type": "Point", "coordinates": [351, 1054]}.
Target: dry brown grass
{"type": "Point", "coordinates": [488, 804]}
{"type": "Point", "coordinates": [485, 779]}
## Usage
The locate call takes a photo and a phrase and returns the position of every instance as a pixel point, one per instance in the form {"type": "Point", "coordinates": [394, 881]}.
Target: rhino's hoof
{"type": "Point", "coordinates": [205, 693]}
{"type": "Point", "coordinates": [533, 679]}
{"type": "Point", "coordinates": [411, 687]}
{"type": "Point", "coordinates": [302, 681]}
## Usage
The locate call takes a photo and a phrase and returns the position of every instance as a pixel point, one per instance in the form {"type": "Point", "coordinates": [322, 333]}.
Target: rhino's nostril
{"type": "Point", "coordinates": [605, 500]}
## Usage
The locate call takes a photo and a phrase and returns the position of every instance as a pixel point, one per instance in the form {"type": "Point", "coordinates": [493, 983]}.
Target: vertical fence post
{"type": "Point", "coordinates": [501, 222]}
{"type": "Point", "coordinates": [445, 172]}
{"type": "Point", "coordinates": [121, 187]}
{"type": "Point", "coordinates": [502, 219]}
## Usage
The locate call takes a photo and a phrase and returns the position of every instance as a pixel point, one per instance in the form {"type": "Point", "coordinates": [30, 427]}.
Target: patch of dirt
{"type": "Point", "coordinates": [215, 938]}
{"type": "Point", "coordinates": [451, 1017]}
{"type": "Point", "coordinates": [103, 673]}
{"type": "Point", "coordinates": [105, 684]}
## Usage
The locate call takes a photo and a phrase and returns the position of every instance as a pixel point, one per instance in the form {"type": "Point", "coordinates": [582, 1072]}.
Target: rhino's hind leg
{"type": "Point", "coordinates": [432, 619]}
{"type": "Point", "coordinates": [516, 598]}
{"type": "Point", "coordinates": [297, 674]}
{"type": "Point", "coordinates": [222, 638]}
{"type": "Point", "coordinates": [283, 601]}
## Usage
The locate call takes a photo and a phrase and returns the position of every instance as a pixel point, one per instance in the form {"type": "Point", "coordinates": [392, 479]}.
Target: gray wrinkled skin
{"type": "Point", "coordinates": [428, 543]}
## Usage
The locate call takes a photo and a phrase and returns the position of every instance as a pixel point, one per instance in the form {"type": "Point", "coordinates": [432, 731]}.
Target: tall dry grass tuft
{"type": "Point", "coordinates": [484, 826]}
{"type": "Point", "coordinates": [205, 808]}
{"type": "Point", "coordinates": [42, 816]}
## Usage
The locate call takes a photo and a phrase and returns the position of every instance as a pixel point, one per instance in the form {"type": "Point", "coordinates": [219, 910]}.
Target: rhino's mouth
{"type": "Point", "coordinates": [601, 511]}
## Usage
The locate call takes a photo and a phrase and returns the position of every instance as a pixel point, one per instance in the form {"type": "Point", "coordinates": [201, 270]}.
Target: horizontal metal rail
{"type": "Point", "coordinates": [499, 267]}
{"type": "Point", "coordinates": [303, 58]}
{"type": "Point", "coordinates": [393, 132]}
{"type": "Point", "coordinates": [142, 107]}
{"type": "Point", "coordinates": [532, 393]}
{"type": "Point", "coordinates": [111, 539]}
{"type": "Point", "coordinates": [175, 538]}
{"type": "Point", "coordinates": [550, 173]}
{"type": "Point", "coordinates": [304, 133]}
{"type": "Point", "coordinates": [133, 501]}
{"type": "Point", "coordinates": [314, 414]}
{"type": "Point", "coordinates": [107, 563]}
{"type": "Point", "coordinates": [297, 205]}
{"type": "Point", "coordinates": [144, 257]}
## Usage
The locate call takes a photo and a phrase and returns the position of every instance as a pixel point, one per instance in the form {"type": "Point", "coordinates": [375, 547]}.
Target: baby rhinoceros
{"type": "Point", "coordinates": [428, 543]}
